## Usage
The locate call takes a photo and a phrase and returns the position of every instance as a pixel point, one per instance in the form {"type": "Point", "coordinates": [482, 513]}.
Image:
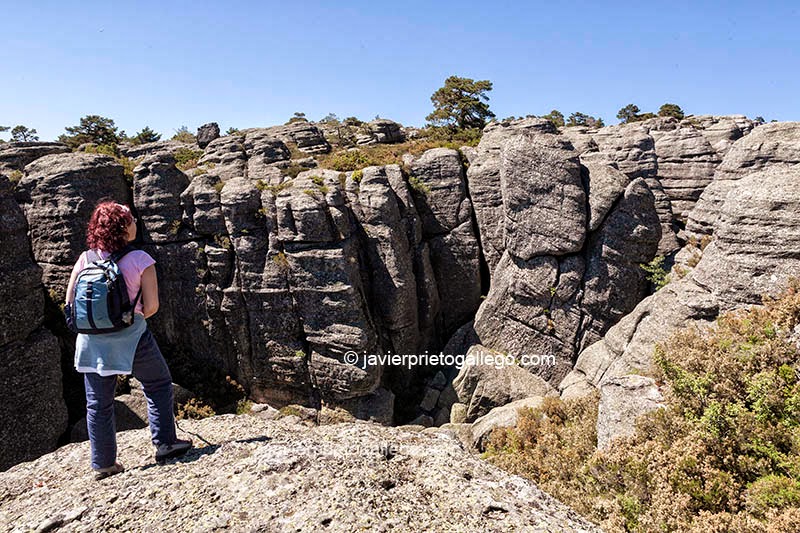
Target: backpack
{"type": "Point", "coordinates": [101, 303]}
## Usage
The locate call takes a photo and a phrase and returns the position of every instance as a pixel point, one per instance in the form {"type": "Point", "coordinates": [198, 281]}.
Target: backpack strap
{"type": "Point", "coordinates": [95, 254]}
{"type": "Point", "coordinates": [119, 254]}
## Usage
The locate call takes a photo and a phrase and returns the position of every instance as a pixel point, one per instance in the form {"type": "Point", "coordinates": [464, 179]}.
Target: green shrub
{"type": "Point", "coordinates": [418, 185]}
{"type": "Point", "coordinates": [194, 409]}
{"type": "Point", "coordinates": [281, 260]}
{"type": "Point", "coordinates": [349, 160]}
{"type": "Point", "coordinates": [723, 455]}
{"type": "Point", "coordinates": [656, 273]}
{"type": "Point", "coordinates": [243, 406]}
{"type": "Point", "coordinates": [183, 135]}
{"type": "Point", "coordinates": [186, 158]}
{"type": "Point", "coordinates": [15, 176]}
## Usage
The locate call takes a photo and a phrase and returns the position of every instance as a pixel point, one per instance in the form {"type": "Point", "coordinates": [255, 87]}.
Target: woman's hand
{"type": "Point", "coordinates": [149, 291]}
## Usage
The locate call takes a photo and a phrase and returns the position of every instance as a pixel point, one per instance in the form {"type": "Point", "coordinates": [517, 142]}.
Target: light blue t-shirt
{"type": "Point", "coordinates": [109, 353]}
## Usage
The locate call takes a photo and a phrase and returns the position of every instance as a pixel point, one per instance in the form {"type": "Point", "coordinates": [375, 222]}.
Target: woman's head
{"type": "Point", "coordinates": [111, 227]}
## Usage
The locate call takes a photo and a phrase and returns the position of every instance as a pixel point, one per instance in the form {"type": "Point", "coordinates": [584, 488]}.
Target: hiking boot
{"type": "Point", "coordinates": [170, 451]}
{"type": "Point", "coordinates": [102, 473]}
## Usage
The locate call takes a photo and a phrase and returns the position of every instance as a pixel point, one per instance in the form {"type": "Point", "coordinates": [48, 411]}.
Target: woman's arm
{"type": "Point", "coordinates": [149, 291]}
{"type": "Point", "coordinates": [71, 287]}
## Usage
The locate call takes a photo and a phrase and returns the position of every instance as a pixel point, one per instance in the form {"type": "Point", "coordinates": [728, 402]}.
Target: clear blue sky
{"type": "Point", "coordinates": [243, 64]}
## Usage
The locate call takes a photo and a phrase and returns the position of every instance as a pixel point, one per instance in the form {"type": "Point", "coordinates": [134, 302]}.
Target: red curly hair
{"type": "Point", "coordinates": [108, 226]}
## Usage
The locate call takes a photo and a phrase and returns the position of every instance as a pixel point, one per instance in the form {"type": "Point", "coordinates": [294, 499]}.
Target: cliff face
{"type": "Point", "coordinates": [33, 412]}
{"type": "Point", "coordinates": [272, 279]}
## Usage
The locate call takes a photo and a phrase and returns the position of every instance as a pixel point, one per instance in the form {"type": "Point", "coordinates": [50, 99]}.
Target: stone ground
{"type": "Point", "coordinates": [249, 473]}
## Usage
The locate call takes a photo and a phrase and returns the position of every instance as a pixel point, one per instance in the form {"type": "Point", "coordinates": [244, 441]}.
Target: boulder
{"type": "Point", "coordinates": [306, 136]}
{"type": "Point", "coordinates": [382, 131]}
{"type": "Point", "coordinates": [207, 133]}
{"type": "Point", "coordinates": [505, 416]}
{"type": "Point", "coordinates": [544, 201]}
{"type": "Point", "coordinates": [482, 387]}
{"type": "Point", "coordinates": [483, 176]}
{"type": "Point", "coordinates": [622, 400]}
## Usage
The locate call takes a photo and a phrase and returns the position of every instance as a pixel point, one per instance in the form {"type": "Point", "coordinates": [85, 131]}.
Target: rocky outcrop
{"type": "Point", "coordinates": [306, 136]}
{"type": "Point", "coordinates": [58, 194]}
{"type": "Point", "coordinates": [381, 131]}
{"type": "Point", "coordinates": [15, 155]}
{"type": "Point", "coordinates": [572, 238]}
{"type": "Point", "coordinates": [686, 165]}
{"type": "Point", "coordinates": [482, 386]}
{"type": "Point", "coordinates": [139, 151]}
{"type": "Point", "coordinates": [32, 414]}
{"type": "Point", "coordinates": [767, 145]}
{"type": "Point", "coordinates": [632, 150]}
{"type": "Point", "coordinates": [722, 131]}
{"type": "Point", "coordinates": [755, 250]}
{"type": "Point", "coordinates": [247, 472]}
{"type": "Point", "coordinates": [207, 133]}
{"type": "Point", "coordinates": [272, 280]}
{"type": "Point", "coordinates": [757, 239]}
{"type": "Point", "coordinates": [483, 177]}
{"type": "Point", "coordinates": [622, 400]}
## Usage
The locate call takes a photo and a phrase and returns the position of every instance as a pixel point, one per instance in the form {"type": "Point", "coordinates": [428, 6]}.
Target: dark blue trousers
{"type": "Point", "coordinates": [150, 368]}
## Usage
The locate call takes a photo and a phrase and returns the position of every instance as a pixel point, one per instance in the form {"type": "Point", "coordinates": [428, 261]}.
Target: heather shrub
{"type": "Point", "coordinates": [724, 455]}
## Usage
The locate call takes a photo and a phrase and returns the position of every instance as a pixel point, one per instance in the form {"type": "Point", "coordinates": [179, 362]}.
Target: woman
{"type": "Point", "coordinates": [101, 357]}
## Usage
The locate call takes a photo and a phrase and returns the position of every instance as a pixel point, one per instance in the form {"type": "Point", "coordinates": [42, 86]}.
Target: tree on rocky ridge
{"type": "Point", "coordinates": [146, 136]}
{"type": "Point", "coordinates": [581, 119]}
{"type": "Point", "coordinates": [330, 118]}
{"type": "Point", "coordinates": [92, 129]}
{"type": "Point", "coordinates": [671, 110]}
{"type": "Point", "coordinates": [23, 134]}
{"type": "Point", "coordinates": [556, 117]}
{"type": "Point", "coordinates": [298, 117]}
{"type": "Point", "coordinates": [628, 114]}
{"type": "Point", "coordinates": [461, 103]}
{"type": "Point", "coordinates": [183, 135]}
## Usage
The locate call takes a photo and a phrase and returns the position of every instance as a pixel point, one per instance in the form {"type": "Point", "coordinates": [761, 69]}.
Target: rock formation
{"type": "Point", "coordinates": [767, 145]}
{"type": "Point", "coordinates": [754, 251]}
{"type": "Point", "coordinates": [57, 194]}
{"type": "Point", "coordinates": [207, 133]}
{"type": "Point", "coordinates": [254, 474]}
{"type": "Point", "coordinates": [381, 131]}
{"type": "Point", "coordinates": [33, 414]}
{"type": "Point", "coordinates": [15, 155]}
{"type": "Point", "coordinates": [273, 276]}
{"type": "Point", "coordinates": [570, 240]}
